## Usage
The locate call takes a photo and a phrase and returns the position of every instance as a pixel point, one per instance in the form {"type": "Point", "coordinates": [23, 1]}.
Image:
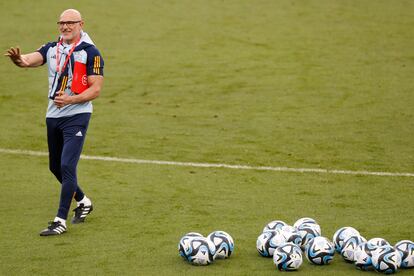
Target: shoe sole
{"type": "Point", "coordinates": [56, 234]}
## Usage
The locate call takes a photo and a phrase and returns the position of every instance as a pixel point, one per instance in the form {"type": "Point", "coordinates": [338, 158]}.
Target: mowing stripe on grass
{"type": "Point", "coordinates": [212, 165]}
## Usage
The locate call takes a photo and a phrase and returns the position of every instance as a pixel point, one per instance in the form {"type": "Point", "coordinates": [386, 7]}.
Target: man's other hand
{"type": "Point", "coordinates": [62, 99]}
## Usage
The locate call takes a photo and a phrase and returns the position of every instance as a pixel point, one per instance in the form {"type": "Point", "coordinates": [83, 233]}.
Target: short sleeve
{"type": "Point", "coordinates": [95, 62]}
{"type": "Point", "coordinates": [44, 49]}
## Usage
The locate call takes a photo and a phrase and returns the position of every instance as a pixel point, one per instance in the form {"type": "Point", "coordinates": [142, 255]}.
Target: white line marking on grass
{"type": "Point", "coordinates": [212, 165]}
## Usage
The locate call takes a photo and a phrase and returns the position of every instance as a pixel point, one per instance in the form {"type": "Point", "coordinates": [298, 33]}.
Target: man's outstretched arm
{"type": "Point", "coordinates": [28, 60]}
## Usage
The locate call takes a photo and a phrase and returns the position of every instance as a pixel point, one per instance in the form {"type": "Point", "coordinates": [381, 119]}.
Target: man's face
{"type": "Point", "coordinates": [70, 24]}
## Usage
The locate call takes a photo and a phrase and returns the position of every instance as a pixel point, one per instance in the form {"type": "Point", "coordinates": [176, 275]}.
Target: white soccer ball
{"type": "Point", "coordinates": [286, 234]}
{"type": "Point", "coordinates": [287, 257]}
{"type": "Point", "coordinates": [264, 244]}
{"type": "Point", "coordinates": [406, 250]}
{"type": "Point", "coordinates": [350, 246]}
{"type": "Point", "coordinates": [183, 245]}
{"type": "Point", "coordinates": [363, 255]}
{"type": "Point", "coordinates": [303, 221]}
{"type": "Point", "coordinates": [223, 242]}
{"type": "Point", "coordinates": [343, 234]}
{"type": "Point", "coordinates": [200, 251]}
{"type": "Point", "coordinates": [386, 259]}
{"type": "Point", "coordinates": [320, 251]}
{"type": "Point", "coordinates": [288, 228]}
{"type": "Point", "coordinates": [378, 242]}
{"type": "Point", "coordinates": [273, 225]}
{"type": "Point", "coordinates": [308, 231]}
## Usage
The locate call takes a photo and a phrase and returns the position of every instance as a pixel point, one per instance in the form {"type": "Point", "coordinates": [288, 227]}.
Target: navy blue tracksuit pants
{"type": "Point", "coordinates": [65, 137]}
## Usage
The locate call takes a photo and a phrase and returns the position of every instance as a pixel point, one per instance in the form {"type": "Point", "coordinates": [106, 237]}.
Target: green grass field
{"type": "Point", "coordinates": [301, 84]}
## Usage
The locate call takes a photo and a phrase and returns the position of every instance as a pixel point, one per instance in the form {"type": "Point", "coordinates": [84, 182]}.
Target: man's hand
{"type": "Point", "coordinates": [16, 57]}
{"type": "Point", "coordinates": [62, 99]}
{"type": "Point", "coordinates": [95, 84]}
{"type": "Point", "coordinates": [28, 60]}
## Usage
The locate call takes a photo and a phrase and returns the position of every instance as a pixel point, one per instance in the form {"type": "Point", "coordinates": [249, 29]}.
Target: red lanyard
{"type": "Point", "coordinates": [67, 58]}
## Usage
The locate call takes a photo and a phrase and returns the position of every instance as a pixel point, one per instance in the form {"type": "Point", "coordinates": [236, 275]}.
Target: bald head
{"type": "Point", "coordinates": [73, 14]}
{"type": "Point", "coordinates": [70, 25]}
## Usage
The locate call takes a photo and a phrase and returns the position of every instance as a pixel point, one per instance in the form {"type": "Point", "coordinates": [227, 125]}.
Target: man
{"type": "Point", "coordinates": [75, 79]}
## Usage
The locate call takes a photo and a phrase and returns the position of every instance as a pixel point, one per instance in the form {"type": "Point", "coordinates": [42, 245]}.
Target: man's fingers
{"type": "Point", "coordinates": [9, 53]}
{"type": "Point", "coordinates": [59, 99]}
{"type": "Point", "coordinates": [12, 52]}
{"type": "Point", "coordinates": [58, 102]}
{"type": "Point", "coordinates": [18, 50]}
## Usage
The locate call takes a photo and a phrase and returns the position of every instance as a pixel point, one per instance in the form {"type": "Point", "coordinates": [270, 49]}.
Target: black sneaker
{"type": "Point", "coordinates": [54, 228]}
{"type": "Point", "coordinates": [81, 212]}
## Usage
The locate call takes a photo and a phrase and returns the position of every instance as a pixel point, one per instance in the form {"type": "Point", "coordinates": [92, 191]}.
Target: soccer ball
{"type": "Point", "coordinates": [378, 241]}
{"type": "Point", "coordinates": [200, 251]}
{"type": "Point", "coordinates": [341, 235]}
{"type": "Point", "coordinates": [288, 228]}
{"type": "Point", "coordinates": [303, 221]}
{"type": "Point", "coordinates": [223, 242]}
{"type": "Point", "coordinates": [183, 245]}
{"type": "Point", "coordinates": [386, 259]}
{"type": "Point", "coordinates": [286, 234]}
{"type": "Point", "coordinates": [349, 247]}
{"type": "Point", "coordinates": [320, 251]}
{"type": "Point", "coordinates": [264, 244]}
{"type": "Point", "coordinates": [308, 231]}
{"type": "Point", "coordinates": [273, 225]}
{"type": "Point", "coordinates": [363, 255]}
{"type": "Point", "coordinates": [406, 250]}
{"type": "Point", "coordinates": [287, 257]}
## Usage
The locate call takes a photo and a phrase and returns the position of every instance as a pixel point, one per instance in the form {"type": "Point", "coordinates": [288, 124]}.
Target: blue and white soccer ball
{"type": "Point", "coordinates": [308, 231]}
{"type": "Point", "coordinates": [223, 242]}
{"type": "Point", "coordinates": [200, 251]}
{"type": "Point", "coordinates": [265, 245]}
{"type": "Point", "coordinates": [273, 225]}
{"type": "Point", "coordinates": [183, 245]}
{"type": "Point", "coordinates": [343, 234]}
{"type": "Point", "coordinates": [406, 250]}
{"type": "Point", "coordinates": [304, 221]}
{"type": "Point", "coordinates": [287, 257]}
{"type": "Point", "coordinates": [378, 242]}
{"type": "Point", "coordinates": [286, 234]}
{"type": "Point", "coordinates": [320, 251]}
{"type": "Point", "coordinates": [386, 259]}
{"type": "Point", "coordinates": [288, 228]}
{"type": "Point", "coordinates": [349, 247]}
{"type": "Point", "coordinates": [363, 256]}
